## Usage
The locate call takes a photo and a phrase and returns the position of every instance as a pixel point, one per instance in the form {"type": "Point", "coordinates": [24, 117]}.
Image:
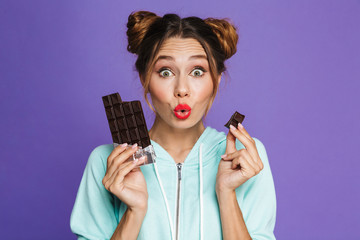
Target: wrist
{"type": "Point", "coordinates": [221, 190]}
{"type": "Point", "coordinates": [225, 195]}
{"type": "Point", "coordinates": [140, 212]}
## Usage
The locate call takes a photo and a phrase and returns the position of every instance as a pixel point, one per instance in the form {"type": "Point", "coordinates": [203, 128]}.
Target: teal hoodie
{"type": "Point", "coordinates": [182, 202]}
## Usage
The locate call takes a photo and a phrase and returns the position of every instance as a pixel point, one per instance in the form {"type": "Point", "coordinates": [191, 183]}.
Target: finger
{"type": "Point", "coordinates": [241, 162]}
{"type": "Point", "coordinates": [242, 153]}
{"type": "Point", "coordinates": [125, 155]}
{"type": "Point", "coordinates": [248, 143]}
{"type": "Point", "coordinates": [250, 160]}
{"type": "Point", "coordinates": [240, 136]}
{"type": "Point", "coordinates": [230, 143]}
{"type": "Point", "coordinates": [236, 163]}
{"type": "Point", "coordinates": [140, 162]}
{"type": "Point", "coordinates": [231, 156]}
{"type": "Point", "coordinates": [246, 167]}
{"type": "Point", "coordinates": [118, 160]}
{"type": "Point", "coordinates": [119, 149]}
{"type": "Point", "coordinates": [129, 166]}
{"type": "Point", "coordinates": [108, 182]}
{"type": "Point", "coordinates": [243, 130]}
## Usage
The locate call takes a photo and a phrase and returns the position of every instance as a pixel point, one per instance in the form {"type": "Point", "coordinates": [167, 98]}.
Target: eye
{"type": "Point", "coordinates": [165, 73]}
{"type": "Point", "coordinates": [198, 72]}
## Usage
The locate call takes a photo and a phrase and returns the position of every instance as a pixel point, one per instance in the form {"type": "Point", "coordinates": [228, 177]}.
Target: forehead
{"type": "Point", "coordinates": [181, 46]}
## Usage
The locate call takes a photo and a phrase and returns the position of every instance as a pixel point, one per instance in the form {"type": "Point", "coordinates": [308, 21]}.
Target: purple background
{"type": "Point", "coordinates": [295, 77]}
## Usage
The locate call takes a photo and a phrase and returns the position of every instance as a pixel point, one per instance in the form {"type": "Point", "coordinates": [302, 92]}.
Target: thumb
{"type": "Point", "coordinates": [230, 143]}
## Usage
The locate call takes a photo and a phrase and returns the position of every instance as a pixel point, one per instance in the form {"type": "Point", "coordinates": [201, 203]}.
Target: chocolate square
{"type": "Point", "coordinates": [130, 120]}
{"type": "Point", "coordinates": [136, 106]}
{"type": "Point", "coordinates": [122, 124]}
{"type": "Point", "coordinates": [125, 136]}
{"type": "Point", "coordinates": [127, 108]}
{"type": "Point", "coordinates": [235, 119]}
{"type": "Point", "coordinates": [119, 111]}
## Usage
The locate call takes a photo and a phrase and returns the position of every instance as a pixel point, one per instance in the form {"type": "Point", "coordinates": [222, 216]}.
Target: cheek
{"type": "Point", "coordinates": [204, 90]}
{"type": "Point", "coordinates": [158, 92]}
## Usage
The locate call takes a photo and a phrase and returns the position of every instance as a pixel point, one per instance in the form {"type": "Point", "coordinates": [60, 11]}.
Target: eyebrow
{"type": "Point", "coordinates": [172, 59]}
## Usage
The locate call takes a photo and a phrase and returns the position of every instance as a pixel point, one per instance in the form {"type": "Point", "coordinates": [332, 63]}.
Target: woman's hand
{"type": "Point", "coordinates": [124, 179]}
{"type": "Point", "coordinates": [236, 167]}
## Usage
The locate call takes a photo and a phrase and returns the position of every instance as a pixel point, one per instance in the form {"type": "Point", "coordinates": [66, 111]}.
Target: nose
{"type": "Point", "coordinates": [181, 89]}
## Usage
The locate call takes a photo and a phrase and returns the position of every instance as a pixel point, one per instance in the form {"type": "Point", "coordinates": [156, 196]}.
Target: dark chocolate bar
{"type": "Point", "coordinates": [126, 121]}
{"type": "Point", "coordinates": [235, 119]}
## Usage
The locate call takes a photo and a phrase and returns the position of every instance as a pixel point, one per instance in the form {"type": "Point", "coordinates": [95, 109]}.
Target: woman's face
{"type": "Point", "coordinates": [181, 86]}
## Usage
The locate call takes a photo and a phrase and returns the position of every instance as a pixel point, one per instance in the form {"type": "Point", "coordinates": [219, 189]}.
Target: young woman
{"type": "Point", "coordinates": [205, 184]}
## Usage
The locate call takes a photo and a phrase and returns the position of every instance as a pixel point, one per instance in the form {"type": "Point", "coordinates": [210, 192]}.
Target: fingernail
{"type": "Point", "coordinates": [240, 126]}
{"type": "Point", "coordinates": [223, 156]}
{"type": "Point", "coordinates": [135, 160]}
{"type": "Point", "coordinates": [142, 158]}
{"type": "Point", "coordinates": [232, 127]}
{"type": "Point", "coordinates": [123, 145]}
{"type": "Point", "coordinates": [134, 146]}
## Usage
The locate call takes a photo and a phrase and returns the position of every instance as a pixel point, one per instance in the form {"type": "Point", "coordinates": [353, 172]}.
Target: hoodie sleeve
{"type": "Point", "coordinates": [257, 199]}
{"type": "Point", "coordinates": [93, 215]}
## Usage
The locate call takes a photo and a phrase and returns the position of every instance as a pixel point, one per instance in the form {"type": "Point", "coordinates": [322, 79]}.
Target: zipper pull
{"type": "Point", "coordinates": [179, 165]}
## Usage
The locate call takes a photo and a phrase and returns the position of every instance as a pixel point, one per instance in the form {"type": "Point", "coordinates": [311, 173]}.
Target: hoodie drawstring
{"type": "Point", "coordinates": [166, 202]}
{"type": "Point", "coordinates": [200, 193]}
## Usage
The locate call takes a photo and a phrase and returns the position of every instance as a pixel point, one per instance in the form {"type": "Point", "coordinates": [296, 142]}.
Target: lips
{"type": "Point", "coordinates": [182, 111]}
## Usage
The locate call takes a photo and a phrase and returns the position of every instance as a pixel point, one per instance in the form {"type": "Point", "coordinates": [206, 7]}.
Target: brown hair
{"type": "Point", "coordinates": [147, 31]}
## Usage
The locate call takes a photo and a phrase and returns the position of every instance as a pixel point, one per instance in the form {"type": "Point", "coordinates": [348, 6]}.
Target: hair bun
{"type": "Point", "coordinates": [138, 24]}
{"type": "Point", "coordinates": [226, 33]}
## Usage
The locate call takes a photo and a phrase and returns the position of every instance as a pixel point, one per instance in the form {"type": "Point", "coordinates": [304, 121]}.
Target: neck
{"type": "Point", "coordinates": [175, 139]}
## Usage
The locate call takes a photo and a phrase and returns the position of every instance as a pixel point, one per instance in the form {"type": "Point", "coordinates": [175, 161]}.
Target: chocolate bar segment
{"type": "Point", "coordinates": [235, 119]}
{"type": "Point", "coordinates": [126, 121]}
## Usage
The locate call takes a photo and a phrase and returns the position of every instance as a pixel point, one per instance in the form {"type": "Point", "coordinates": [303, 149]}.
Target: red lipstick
{"type": "Point", "coordinates": [182, 111]}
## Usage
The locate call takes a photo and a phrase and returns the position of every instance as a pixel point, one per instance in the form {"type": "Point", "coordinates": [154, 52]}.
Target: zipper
{"type": "Point", "coordinates": [178, 165]}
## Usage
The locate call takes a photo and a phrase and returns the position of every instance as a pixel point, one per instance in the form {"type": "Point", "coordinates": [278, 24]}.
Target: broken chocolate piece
{"type": "Point", "coordinates": [235, 119]}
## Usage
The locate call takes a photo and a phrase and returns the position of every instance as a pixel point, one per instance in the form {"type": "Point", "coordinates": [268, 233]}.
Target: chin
{"type": "Point", "coordinates": [185, 124]}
